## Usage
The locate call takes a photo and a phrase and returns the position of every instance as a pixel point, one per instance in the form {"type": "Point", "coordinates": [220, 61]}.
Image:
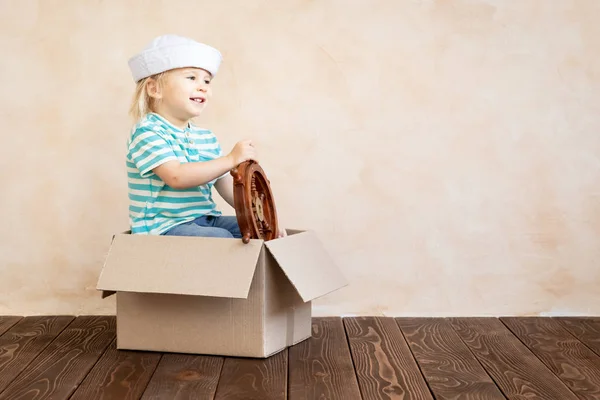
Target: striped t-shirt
{"type": "Point", "coordinates": [155, 207]}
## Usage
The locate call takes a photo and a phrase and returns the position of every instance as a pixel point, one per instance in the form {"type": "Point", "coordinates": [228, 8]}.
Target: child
{"type": "Point", "coordinates": [172, 165]}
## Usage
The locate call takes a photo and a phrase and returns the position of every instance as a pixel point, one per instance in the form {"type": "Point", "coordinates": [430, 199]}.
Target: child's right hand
{"type": "Point", "coordinates": [242, 151]}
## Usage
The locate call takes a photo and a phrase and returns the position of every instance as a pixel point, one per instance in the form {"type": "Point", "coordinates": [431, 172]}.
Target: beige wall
{"type": "Point", "coordinates": [447, 152]}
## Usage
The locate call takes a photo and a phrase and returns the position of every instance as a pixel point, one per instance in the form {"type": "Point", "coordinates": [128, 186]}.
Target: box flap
{"type": "Point", "coordinates": [180, 265]}
{"type": "Point", "coordinates": [307, 264]}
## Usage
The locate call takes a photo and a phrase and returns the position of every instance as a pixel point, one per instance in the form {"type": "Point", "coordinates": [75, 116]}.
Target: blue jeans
{"type": "Point", "coordinates": [208, 226]}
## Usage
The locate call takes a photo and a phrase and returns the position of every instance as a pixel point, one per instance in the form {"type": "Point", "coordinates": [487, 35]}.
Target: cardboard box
{"type": "Point", "coordinates": [216, 296]}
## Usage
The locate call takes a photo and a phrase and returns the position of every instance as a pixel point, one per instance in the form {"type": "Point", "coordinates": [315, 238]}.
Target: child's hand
{"type": "Point", "coordinates": [242, 151]}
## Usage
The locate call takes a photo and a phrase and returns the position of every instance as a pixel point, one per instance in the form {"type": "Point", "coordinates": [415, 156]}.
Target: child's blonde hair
{"type": "Point", "coordinates": [142, 103]}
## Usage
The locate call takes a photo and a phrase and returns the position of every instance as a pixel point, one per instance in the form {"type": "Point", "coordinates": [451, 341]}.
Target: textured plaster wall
{"type": "Point", "coordinates": [446, 152]}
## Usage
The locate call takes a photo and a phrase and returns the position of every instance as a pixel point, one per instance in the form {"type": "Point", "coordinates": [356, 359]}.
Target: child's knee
{"type": "Point", "coordinates": [221, 233]}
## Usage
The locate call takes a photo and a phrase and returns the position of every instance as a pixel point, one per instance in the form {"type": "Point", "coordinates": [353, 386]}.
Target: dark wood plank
{"type": "Point", "coordinates": [384, 364]}
{"type": "Point", "coordinates": [118, 375]}
{"type": "Point", "coordinates": [574, 363]}
{"type": "Point", "coordinates": [24, 341]}
{"type": "Point", "coordinates": [254, 379]}
{"type": "Point", "coordinates": [7, 321]}
{"type": "Point", "coordinates": [514, 368]}
{"type": "Point", "coordinates": [586, 329]}
{"type": "Point", "coordinates": [184, 376]}
{"type": "Point", "coordinates": [321, 367]}
{"type": "Point", "coordinates": [61, 366]}
{"type": "Point", "coordinates": [450, 368]}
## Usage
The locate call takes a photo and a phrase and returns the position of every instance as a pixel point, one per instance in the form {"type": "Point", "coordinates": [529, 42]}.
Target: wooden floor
{"type": "Point", "coordinates": [62, 357]}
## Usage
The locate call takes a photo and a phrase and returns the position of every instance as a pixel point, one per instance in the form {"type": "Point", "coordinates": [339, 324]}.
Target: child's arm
{"type": "Point", "coordinates": [224, 187]}
{"type": "Point", "coordinates": [187, 175]}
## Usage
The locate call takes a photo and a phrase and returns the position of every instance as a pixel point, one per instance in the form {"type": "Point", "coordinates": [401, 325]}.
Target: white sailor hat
{"type": "Point", "coordinates": [171, 51]}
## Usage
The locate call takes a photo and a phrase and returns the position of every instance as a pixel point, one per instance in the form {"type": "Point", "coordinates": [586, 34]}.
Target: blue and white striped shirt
{"type": "Point", "coordinates": [154, 207]}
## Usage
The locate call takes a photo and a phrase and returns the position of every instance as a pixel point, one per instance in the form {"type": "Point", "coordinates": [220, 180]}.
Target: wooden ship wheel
{"type": "Point", "coordinates": [254, 204]}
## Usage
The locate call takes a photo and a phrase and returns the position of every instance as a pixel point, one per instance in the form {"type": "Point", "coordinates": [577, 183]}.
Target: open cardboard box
{"type": "Point", "coordinates": [216, 296]}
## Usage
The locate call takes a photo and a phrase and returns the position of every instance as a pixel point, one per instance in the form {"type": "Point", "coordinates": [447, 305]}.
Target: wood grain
{"type": "Point", "coordinates": [517, 371]}
{"type": "Point", "coordinates": [6, 322]}
{"type": "Point", "coordinates": [575, 364]}
{"type": "Point", "coordinates": [118, 375]}
{"type": "Point", "coordinates": [384, 364]}
{"type": "Point", "coordinates": [450, 368]}
{"type": "Point", "coordinates": [587, 330]}
{"type": "Point", "coordinates": [24, 341]}
{"type": "Point", "coordinates": [254, 379]}
{"type": "Point", "coordinates": [184, 376]}
{"type": "Point", "coordinates": [62, 357]}
{"type": "Point", "coordinates": [61, 366]}
{"type": "Point", "coordinates": [321, 367]}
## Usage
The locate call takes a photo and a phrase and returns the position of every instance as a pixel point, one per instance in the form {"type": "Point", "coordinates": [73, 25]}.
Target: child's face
{"type": "Point", "coordinates": [184, 93]}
